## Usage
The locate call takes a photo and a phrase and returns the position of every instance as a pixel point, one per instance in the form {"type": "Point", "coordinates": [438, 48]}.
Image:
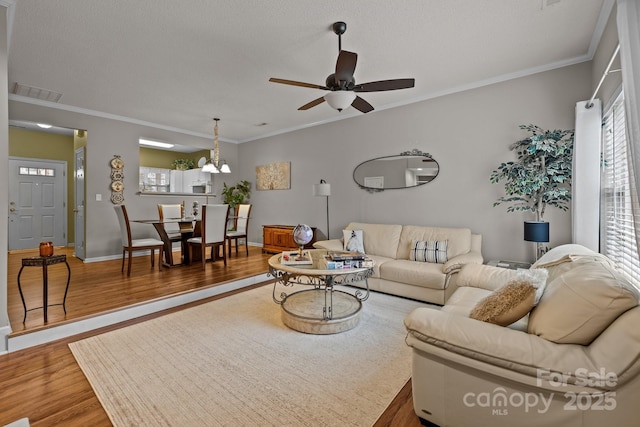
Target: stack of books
{"type": "Point", "coordinates": [343, 260]}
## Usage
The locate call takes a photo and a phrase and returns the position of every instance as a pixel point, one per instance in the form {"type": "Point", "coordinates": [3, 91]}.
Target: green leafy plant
{"type": "Point", "coordinates": [541, 176]}
{"type": "Point", "coordinates": [236, 194]}
{"type": "Point", "coordinates": [183, 164]}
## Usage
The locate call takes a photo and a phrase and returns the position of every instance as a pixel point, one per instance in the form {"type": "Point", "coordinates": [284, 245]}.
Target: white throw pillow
{"type": "Point", "coordinates": [537, 277]}
{"type": "Point", "coordinates": [353, 241]}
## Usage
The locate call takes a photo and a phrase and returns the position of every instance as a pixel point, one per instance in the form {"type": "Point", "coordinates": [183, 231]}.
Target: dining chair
{"type": "Point", "coordinates": [129, 244]}
{"type": "Point", "coordinates": [212, 232]}
{"type": "Point", "coordinates": [175, 211]}
{"type": "Point", "coordinates": [241, 223]}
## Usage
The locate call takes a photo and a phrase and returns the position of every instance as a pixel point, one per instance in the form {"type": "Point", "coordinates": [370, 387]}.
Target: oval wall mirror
{"type": "Point", "coordinates": [404, 170]}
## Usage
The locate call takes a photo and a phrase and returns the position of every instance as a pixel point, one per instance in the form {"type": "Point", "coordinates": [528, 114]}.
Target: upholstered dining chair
{"type": "Point", "coordinates": [241, 223]}
{"type": "Point", "coordinates": [175, 211]}
{"type": "Point", "coordinates": [213, 229]}
{"type": "Point", "coordinates": [129, 244]}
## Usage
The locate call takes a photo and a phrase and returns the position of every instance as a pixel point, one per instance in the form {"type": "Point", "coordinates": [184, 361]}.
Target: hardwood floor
{"type": "Point", "coordinates": [100, 286]}
{"type": "Point", "coordinates": [45, 384]}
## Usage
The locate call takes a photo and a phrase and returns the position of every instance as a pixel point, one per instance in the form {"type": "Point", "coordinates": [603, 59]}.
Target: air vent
{"type": "Point", "coordinates": [36, 92]}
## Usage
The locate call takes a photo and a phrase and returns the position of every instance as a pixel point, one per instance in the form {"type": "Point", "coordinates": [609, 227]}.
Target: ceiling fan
{"type": "Point", "coordinates": [342, 85]}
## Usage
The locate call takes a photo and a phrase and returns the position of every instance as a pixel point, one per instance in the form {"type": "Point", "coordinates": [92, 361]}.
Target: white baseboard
{"type": "Point", "coordinates": [4, 333]}
{"type": "Point", "coordinates": [31, 339]}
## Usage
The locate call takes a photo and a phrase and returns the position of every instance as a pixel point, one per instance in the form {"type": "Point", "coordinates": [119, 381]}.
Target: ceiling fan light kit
{"type": "Point", "coordinates": [342, 85]}
{"type": "Point", "coordinates": [340, 99]}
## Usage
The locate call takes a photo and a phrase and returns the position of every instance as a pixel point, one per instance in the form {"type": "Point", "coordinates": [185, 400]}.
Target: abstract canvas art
{"type": "Point", "coordinates": [274, 176]}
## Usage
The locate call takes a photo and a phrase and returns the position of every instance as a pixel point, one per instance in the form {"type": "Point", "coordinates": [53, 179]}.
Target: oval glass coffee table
{"type": "Point", "coordinates": [314, 305]}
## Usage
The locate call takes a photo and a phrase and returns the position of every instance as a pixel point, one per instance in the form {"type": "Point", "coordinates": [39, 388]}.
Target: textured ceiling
{"type": "Point", "coordinates": [181, 63]}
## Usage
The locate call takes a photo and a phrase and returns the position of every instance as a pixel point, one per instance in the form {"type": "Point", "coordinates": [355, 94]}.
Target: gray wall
{"type": "Point", "coordinates": [468, 133]}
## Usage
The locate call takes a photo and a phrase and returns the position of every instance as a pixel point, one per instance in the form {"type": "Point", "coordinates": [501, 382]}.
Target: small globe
{"type": "Point", "coordinates": [302, 234]}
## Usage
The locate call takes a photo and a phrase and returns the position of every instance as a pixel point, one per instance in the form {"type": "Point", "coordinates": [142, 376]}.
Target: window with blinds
{"type": "Point", "coordinates": [617, 230]}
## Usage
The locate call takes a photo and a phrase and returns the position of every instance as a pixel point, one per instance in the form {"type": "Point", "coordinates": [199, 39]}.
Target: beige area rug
{"type": "Point", "coordinates": [232, 362]}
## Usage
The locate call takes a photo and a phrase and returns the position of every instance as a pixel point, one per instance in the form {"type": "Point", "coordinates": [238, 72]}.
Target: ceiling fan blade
{"type": "Point", "coordinates": [362, 105]}
{"type": "Point", "coordinates": [294, 83]}
{"type": "Point", "coordinates": [383, 85]}
{"type": "Point", "coordinates": [312, 103]}
{"type": "Point", "coordinates": [345, 66]}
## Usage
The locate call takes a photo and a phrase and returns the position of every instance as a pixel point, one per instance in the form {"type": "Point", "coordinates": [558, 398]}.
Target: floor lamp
{"type": "Point", "coordinates": [538, 232]}
{"type": "Point", "coordinates": [323, 189]}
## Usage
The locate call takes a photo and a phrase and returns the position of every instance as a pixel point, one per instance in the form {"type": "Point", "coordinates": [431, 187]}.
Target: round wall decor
{"type": "Point", "coordinates": [117, 180]}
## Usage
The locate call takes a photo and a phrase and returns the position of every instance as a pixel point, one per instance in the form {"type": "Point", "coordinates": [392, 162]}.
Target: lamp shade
{"type": "Point", "coordinates": [323, 189]}
{"type": "Point", "coordinates": [536, 231]}
{"type": "Point", "coordinates": [225, 167]}
{"type": "Point", "coordinates": [340, 99]}
{"type": "Point", "coordinates": [209, 167]}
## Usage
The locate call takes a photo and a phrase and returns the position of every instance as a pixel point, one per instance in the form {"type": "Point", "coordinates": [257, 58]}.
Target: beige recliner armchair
{"type": "Point", "coordinates": [574, 360]}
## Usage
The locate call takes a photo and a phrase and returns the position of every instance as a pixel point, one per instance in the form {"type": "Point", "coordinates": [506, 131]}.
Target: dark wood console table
{"type": "Point", "coordinates": [278, 238]}
{"type": "Point", "coordinates": [44, 262]}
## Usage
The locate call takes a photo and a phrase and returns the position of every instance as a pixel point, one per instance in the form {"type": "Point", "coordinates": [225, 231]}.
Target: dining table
{"type": "Point", "coordinates": [189, 227]}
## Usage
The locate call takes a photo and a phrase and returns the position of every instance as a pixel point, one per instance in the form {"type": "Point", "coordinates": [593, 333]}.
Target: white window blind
{"type": "Point", "coordinates": [618, 240]}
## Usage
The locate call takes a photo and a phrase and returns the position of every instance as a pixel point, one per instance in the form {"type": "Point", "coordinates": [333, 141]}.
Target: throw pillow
{"type": "Point", "coordinates": [353, 241]}
{"type": "Point", "coordinates": [429, 251]}
{"type": "Point", "coordinates": [506, 305]}
{"type": "Point", "coordinates": [537, 277]}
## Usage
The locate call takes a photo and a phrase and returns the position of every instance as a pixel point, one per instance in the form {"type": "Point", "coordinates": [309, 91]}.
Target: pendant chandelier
{"type": "Point", "coordinates": [213, 165]}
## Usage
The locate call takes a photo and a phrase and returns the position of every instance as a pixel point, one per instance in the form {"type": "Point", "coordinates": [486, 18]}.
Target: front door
{"type": "Point", "coordinates": [37, 208]}
{"type": "Point", "coordinates": [79, 204]}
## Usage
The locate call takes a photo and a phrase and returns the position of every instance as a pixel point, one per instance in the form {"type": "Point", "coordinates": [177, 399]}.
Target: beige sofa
{"type": "Point", "coordinates": [394, 273]}
{"type": "Point", "coordinates": [573, 361]}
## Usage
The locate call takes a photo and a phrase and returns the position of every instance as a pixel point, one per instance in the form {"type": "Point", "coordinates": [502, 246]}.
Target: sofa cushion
{"type": "Point", "coordinates": [507, 305]}
{"type": "Point", "coordinates": [463, 300]}
{"type": "Point", "coordinates": [582, 302]}
{"type": "Point", "coordinates": [379, 239]}
{"type": "Point", "coordinates": [429, 251]}
{"type": "Point", "coordinates": [458, 239]}
{"type": "Point", "coordinates": [424, 274]}
{"type": "Point", "coordinates": [484, 276]}
{"type": "Point", "coordinates": [378, 261]}
{"type": "Point", "coordinates": [353, 241]}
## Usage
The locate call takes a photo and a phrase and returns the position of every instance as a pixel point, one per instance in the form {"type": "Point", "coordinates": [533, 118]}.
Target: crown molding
{"type": "Point", "coordinates": [601, 24]}
{"type": "Point", "coordinates": [94, 113]}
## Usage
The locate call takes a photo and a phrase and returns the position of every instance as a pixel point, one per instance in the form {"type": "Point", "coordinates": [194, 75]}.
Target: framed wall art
{"type": "Point", "coordinates": [274, 176]}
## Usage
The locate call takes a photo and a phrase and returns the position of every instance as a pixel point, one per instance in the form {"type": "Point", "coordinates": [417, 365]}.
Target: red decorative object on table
{"type": "Point", "coordinates": [46, 248]}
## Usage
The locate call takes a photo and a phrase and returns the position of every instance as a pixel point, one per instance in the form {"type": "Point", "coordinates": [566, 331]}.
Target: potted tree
{"type": "Point", "coordinates": [540, 177]}
{"type": "Point", "coordinates": [235, 195]}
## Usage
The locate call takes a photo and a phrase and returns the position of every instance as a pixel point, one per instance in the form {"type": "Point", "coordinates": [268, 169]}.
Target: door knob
{"type": "Point", "coordinates": [76, 211]}
{"type": "Point", "coordinates": [12, 210]}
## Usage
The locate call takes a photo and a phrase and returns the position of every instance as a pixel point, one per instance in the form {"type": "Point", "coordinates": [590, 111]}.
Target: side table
{"type": "Point", "coordinates": [44, 262]}
{"type": "Point", "coordinates": [513, 265]}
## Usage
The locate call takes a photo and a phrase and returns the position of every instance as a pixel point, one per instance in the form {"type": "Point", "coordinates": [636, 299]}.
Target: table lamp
{"type": "Point", "coordinates": [538, 232]}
